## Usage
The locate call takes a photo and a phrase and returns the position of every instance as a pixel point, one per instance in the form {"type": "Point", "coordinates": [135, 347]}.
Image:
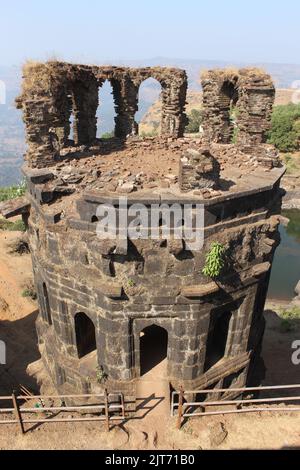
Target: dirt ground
{"type": "Point", "coordinates": [152, 428]}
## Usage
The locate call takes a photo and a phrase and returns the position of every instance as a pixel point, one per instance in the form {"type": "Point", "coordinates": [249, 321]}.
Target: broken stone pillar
{"type": "Point", "coordinates": [198, 170]}
{"type": "Point", "coordinates": [126, 99]}
{"type": "Point", "coordinates": [85, 105]}
{"type": "Point", "coordinates": [174, 119]}
{"type": "Point", "coordinates": [38, 102]}
{"type": "Point", "coordinates": [255, 105]}
{"type": "Point", "coordinates": [219, 95]}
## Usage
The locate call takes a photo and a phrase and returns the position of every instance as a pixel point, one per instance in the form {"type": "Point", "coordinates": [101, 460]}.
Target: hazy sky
{"type": "Point", "coordinates": [104, 31]}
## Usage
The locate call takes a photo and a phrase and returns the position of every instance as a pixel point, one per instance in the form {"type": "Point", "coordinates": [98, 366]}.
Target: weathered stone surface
{"type": "Point", "coordinates": [198, 170]}
{"type": "Point", "coordinates": [53, 90]}
{"type": "Point", "coordinates": [98, 297]}
{"type": "Point", "coordinates": [201, 290]}
{"type": "Point", "coordinates": [14, 207]}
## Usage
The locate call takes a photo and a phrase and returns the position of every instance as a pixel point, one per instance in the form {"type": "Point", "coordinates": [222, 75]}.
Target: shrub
{"type": "Point", "coordinates": [108, 135]}
{"type": "Point", "coordinates": [195, 120]}
{"type": "Point", "coordinates": [215, 261]}
{"type": "Point", "coordinates": [17, 226]}
{"type": "Point", "coordinates": [12, 192]}
{"type": "Point", "coordinates": [29, 292]}
{"type": "Point", "coordinates": [289, 317]}
{"type": "Point", "coordinates": [285, 130]}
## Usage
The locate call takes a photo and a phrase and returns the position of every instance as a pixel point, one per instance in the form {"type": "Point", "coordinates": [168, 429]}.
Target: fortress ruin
{"type": "Point", "coordinates": [106, 306]}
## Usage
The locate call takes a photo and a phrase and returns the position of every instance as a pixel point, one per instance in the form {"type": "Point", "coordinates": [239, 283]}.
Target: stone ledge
{"type": "Point", "coordinates": [260, 269]}
{"type": "Point", "coordinates": [111, 291]}
{"type": "Point", "coordinates": [14, 207]}
{"type": "Point", "coordinates": [201, 290]}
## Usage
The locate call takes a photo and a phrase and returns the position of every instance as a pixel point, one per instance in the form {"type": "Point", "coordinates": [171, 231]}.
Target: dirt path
{"type": "Point", "coordinates": [17, 317]}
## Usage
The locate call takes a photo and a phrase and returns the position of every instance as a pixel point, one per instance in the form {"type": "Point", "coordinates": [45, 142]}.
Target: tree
{"type": "Point", "coordinates": [195, 121]}
{"type": "Point", "coordinates": [285, 130]}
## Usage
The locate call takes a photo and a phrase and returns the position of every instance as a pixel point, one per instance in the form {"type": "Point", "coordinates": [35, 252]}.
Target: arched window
{"type": "Point", "coordinates": [47, 308]}
{"type": "Point", "coordinates": [106, 113]}
{"type": "Point", "coordinates": [85, 335]}
{"type": "Point", "coordinates": [153, 347]}
{"type": "Point", "coordinates": [149, 114]}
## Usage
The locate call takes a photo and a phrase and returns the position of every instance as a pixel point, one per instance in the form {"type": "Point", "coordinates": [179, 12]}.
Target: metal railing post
{"type": "Point", "coordinates": [180, 408]}
{"type": "Point", "coordinates": [18, 412]}
{"type": "Point", "coordinates": [106, 409]}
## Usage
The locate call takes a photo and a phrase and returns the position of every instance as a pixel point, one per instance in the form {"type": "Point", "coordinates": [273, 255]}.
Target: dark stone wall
{"type": "Point", "coordinates": [144, 284]}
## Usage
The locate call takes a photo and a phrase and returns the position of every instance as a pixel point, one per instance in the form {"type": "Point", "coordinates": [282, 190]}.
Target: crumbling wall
{"type": "Point", "coordinates": [251, 92]}
{"type": "Point", "coordinates": [254, 110]}
{"type": "Point", "coordinates": [54, 90]}
{"type": "Point", "coordinates": [198, 170]}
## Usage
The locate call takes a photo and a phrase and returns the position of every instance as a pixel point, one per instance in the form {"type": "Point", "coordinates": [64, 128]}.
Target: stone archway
{"type": "Point", "coordinates": [153, 348]}
{"type": "Point", "coordinates": [153, 386]}
{"type": "Point", "coordinates": [150, 108]}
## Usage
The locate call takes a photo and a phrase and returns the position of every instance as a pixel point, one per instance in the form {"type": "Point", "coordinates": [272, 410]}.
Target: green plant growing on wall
{"type": "Point", "coordinates": [131, 283]}
{"type": "Point", "coordinates": [214, 261]}
{"type": "Point", "coordinates": [101, 376]}
{"type": "Point", "coordinates": [29, 293]}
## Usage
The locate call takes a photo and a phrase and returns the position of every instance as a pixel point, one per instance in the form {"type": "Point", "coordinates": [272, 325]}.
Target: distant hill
{"type": "Point", "coordinates": [12, 141]}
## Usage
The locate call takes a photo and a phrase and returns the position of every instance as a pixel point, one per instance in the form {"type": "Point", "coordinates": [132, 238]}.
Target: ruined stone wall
{"type": "Point", "coordinates": [251, 92]}
{"type": "Point", "coordinates": [52, 91]}
{"type": "Point", "coordinates": [122, 286]}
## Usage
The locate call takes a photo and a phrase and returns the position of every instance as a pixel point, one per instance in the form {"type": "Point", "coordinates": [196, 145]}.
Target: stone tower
{"type": "Point", "coordinates": [108, 305]}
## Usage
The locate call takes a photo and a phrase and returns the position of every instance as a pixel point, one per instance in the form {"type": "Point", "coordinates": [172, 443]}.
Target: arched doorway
{"type": "Point", "coordinates": [106, 113]}
{"type": "Point", "coordinates": [85, 335]}
{"type": "Point", "coordinates": [153, 348]}
{"type": "Point", "coordinates": [149, 114]}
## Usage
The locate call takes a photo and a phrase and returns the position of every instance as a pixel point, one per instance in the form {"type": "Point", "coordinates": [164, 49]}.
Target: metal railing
{"type": "Point", "coordinates": [182, 408]}
{"type": "Point", "coordinates": [108, 406]}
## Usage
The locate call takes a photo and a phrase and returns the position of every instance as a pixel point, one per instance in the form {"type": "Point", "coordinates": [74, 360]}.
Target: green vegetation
{"type": "Point", "coordinates": [289, 318]}
{"type": "Point", "coordinates": [108, 135]}
{"type": "Point", "coordinates": [101, 376]}
{"type": "Point", "coordinates": [195, 120]}
{"type": "Point", "coordinates": [29, 292]}
{"type": "Point", "coordinates": [153, 133]}
{"type": "Point", "coordinates": [233, 120]}
{"type": "Point", "coordinates": [292, 163]}
{"type": "Point", "coordinates": [131, 283]}
{"type": "Point", "coordinates": [12, 192]}
{"type": "Point", "coordinates": [285, 131]}
{"type": "Point", "coordinates": [293, 228]}
{"type": "Point", "coordinates": [17, 226]}
{"type": "Point", "coordinates": [215, 260]}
